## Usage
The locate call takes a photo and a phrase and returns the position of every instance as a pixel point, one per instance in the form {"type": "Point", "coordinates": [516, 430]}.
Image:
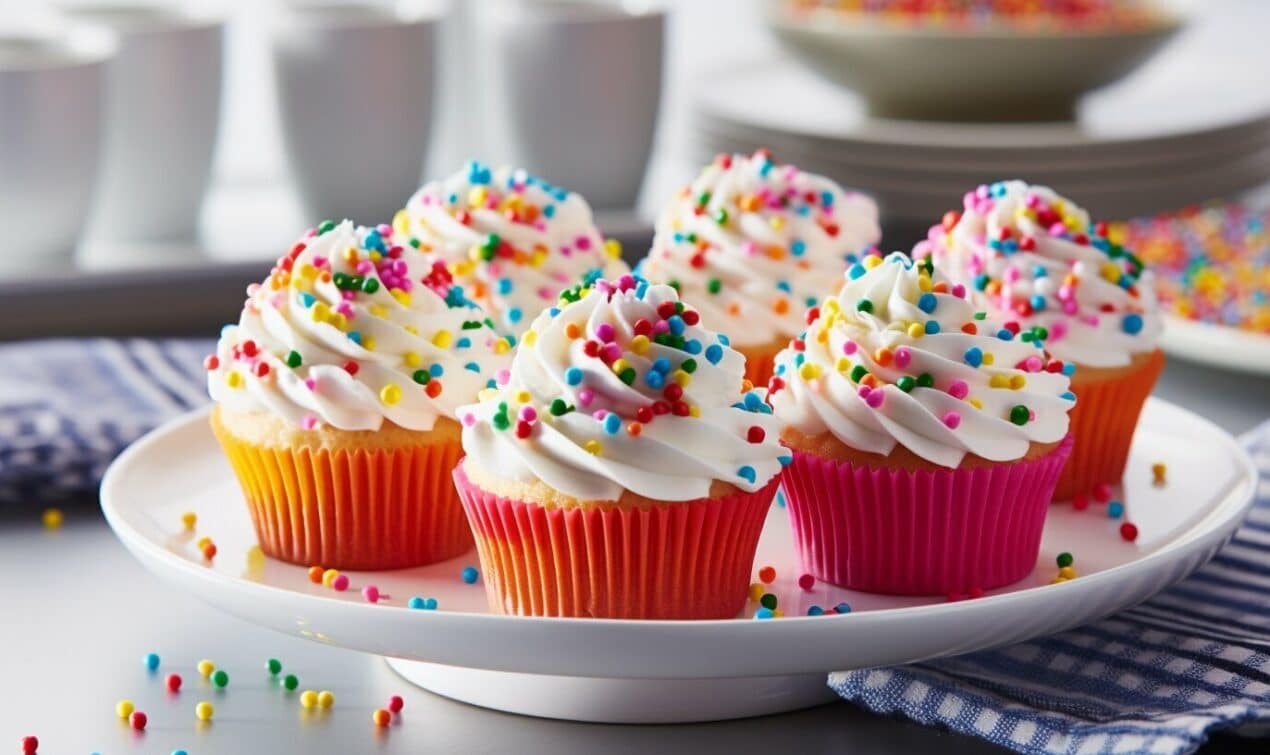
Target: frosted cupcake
{"type": "Point", "coordinates": [624, 469]}
{"type": "Point", "coordinates": [335, 401]}
{"type": "Point", "coordinates": [1030, 255]}
{"type": "Point", "coordinates": [753, 244]}
{"type": "Point", "coordinates": [926, 446]}
{"type": "Point", "coordinates": [512, 240]}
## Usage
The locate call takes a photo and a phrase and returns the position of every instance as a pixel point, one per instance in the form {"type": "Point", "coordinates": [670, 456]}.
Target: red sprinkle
{"type": "Point", "coordinates": [250, 348]}
{"type": "Point", "coordinates": [174, 682]}
{"type": "Point", "coordinates": [395, 703]}
{"type": "Point", "coordinates": [211, 362]}
{"type": "Point", "coordinates": [806, 581]}
{"type": "Point", "coordinates": [1102, 492]}
{"type": "Point", "coordinates": [262, 369]}
{"type": "Point", "coordinates": [138, 720]}
{"type": "Point", "coordinates": [976, 592]}
{"type": "Point", "coordinates": [30, 745]}
{"type": "Point", "coordinates": [691, 317]}
{"type": "Point", "coordinates": [1129, 531]}
{"type": "Point", "coordinates": [1080, 502]}
{"type": "Point", "coordinates": [351, 367]}
{"type": "Point", "coordinates": [767, 575]}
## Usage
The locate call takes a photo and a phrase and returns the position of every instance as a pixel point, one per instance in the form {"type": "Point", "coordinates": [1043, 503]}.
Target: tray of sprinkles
{"type": "Point", "coordinates": [487, 498]}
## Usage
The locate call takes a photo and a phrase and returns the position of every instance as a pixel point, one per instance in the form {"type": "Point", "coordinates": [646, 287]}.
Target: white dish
{"type": "Point", "coordinates": [590, 669]}
{"type": "Point", "coordinates": [1216, 345]}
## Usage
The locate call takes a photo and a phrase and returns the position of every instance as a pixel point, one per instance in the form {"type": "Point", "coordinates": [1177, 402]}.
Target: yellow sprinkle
{"type": "Point", "coordinates": [204, 711]}
{"type": "Point", "coordinates": [756, 591]}
{"type": "Point", "coordinates": [412, 359]}
{"type": "Point", "coordinates": [777, 613]}
{"type": "Point", "coordinates": [460, 269]}
{"type": "Point", "coordinates": [1056, 580]}
{"type": "Point", "coordinates": [830, 305]}
{"type": "Point", "coordinates": [474, 254]}
{"type": "Point", "coordinates": [189, 519]}
{"type": "Point", "coordinates": [529, 339]}
{"type": "Point", "coordinates": [338, 320]}
{"type": "Point", "coordinates": [842, 365]}
{"type": "Point", "coordinates": [923, 282]}
{"type": "Point", "coordinates": [234, 380]}
{"type": "Point", "coordinates": [681, 377]}
{"type": "Point", "coordinates": [329, 576]}
{"type": "Point", "coordinates": [619, 365]}
{"type": "Point", "coordinates": [1110, 272]}
{"type": "Point", "coordinates": [988, 357]}
{"type": "Point", "coordinates": [442, 339]}
{"type": "Point", "coordinates": [321, 312]}
{"type": "Point", "coordinates": [976, 403]}
{"type": "Point", "coordinates": [640, 344]}
{"type": "Point", "coordinates": [1067, 572]}
{"type": "Point", "coordinates": [822, 335]}
{"type": "Point", "coordinates": [487, 394]}
{"type": "Point", "coordinates": [593, 447]}
{"type": "Point", "coordinates": [777, 222]}
{"type": "Point", "coordinates": [202, 542]}
{"type": "Point", "coordinates": [390, 394]}
{"type": "Point", "coordinates": [368, 343]}
{"type": "Point", "coordinates": [1158, 471]}
{"type": "Point", "coordinates": [501, 346]}
{"type": "Point", "coordinates": [809, 371]}
{"type": "Point", "coordinates": [999, 381]}
{"type": "Point", "coordinates": [402, 297]}
{"type": "Point", "coordinates": [205, 668]}
{"type": "Point", "coordinates": [52, 519]}
{"type": "Point", "coordinates": [871, 262]}
{"type": "Point", "coordinates": [694, 411]}
{"type": "Point", "coordinates": [308, 271]}
{"type": "Point", "coordinates": [477, 196]}
{"type": "Point", "coordinates": [377, 310]}
{"type": "Point", "coordinates": [412, 330]}
{"type": "Point", "coordinates": [539, 257]}
{"type": "Point", "coordinates": [124, 708]}
{"type": "Point", "coordinates": [308, 699]}
{"type": "Point", "coordinates": [375, 256]}
{"type": "Point", "coordinates": [325, 699]}
{"type": "Point", "coordinates": [1017, 382]}
{"type": "Point", "coordinates": [916, 330]}
{"type": "Point", "coordinates": [522, 396]}
{"type": "Point", "coordinates": [401, 222]}
{"type": "Point", "coordinates": [350, 255]}
{"type": "Point", "coordinates": [613, 248]}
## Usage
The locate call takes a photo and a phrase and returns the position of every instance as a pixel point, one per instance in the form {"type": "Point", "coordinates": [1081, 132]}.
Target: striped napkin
{"type": "Point", "coordinates": [1158, 678]}
{"type": "Point", "coordinates": [1154, 679]}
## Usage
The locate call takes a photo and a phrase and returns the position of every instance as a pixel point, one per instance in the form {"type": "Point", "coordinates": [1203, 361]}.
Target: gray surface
{"type": "Point", "coordinates": [79, 615]}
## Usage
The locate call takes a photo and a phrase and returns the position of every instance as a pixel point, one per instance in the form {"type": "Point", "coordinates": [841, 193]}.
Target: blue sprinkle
{"type": "Point", "coordinates": [436, 370]}
{"type": "Point", "coordinates": [764, 168]}
{"type": "Point", "coordinates": [514, 314]}
{"type": "Point", "coordinates": [655, 380]}
{"type": "Point", "coordinates": [780, 498]}
{"type": "Point", "coordinates": [1069, 396]}
{"type": "Point", "coordinates": [573, 376]}
{"type": "Point", "coordinates": [714, 353]}
{"type": "Point", "coordinates": [973, 356]}
{"type": "Point", "coordinates": [152, 661]}
{"type": "Point", "coordinates": [1132, 323]}
{"type": "Point", "coordinates": [307, 300]}
{"type": "Point", "coordinates": [491, 383]}
{"type": "Point", "coordinates": [511, 340]}
{"type": "Point", "coordinates": [676, 324]}
{"type": "Point", "coordinates": [661, 364]}
{"type": "Point", "coordinates": [1039, 272]}
{"type": "Point", "coordinates": [612, 423]}
{"type": "Point", "coordinates": [472, 367]}
{"type": "Point", "coordinates": [843, 608]}
{"type": "Point", "coordinates": [764, 613]}
{"type": "Point", "coordinates": [641, 288]}
{"type": "Point", "coordinates": [803, 211]}
{"type": "Point", "coordinates": [752, 400]}
{"type": "Point", "coordinates": [799, 358]}
{"type": "Point", "coordinates": [504, 285]}
{"type": "Point", "coordinates": [856, 271]}
{"type": "Point", "coordinates": [1037, 302]}
{"type": "Point", "coordinates": [452, 198]}
{"type": "Point", "coordinates": [826, 198]}
{"type": "Point", "coordinates": [932, 327]}
{"type": "Point", "coordinates": [463, 343]}
{"type": "Point", "coordinates": [180, 752]}
{"type": "Point", "coordinates": [677, 237]}
{"type": "Point", "coordinates": [927, 302]}
{"type": "Point", "coordinates": [723, 339]}
{"type": "Point", "coordinates": [1115, 509]}
{"type": "Point", "coordinates": [798, 248]}
{"type": "Point", "coordinates": [416, 602]}
{"type": "Point", "coordinates": [693, 346]}
{"type": "Point", "coordinates": [747, 473]}
{"type": "Point", "coordinates": [553, 311]}
{"type": "Point", "coordinates": [981, 282]}
{"type": "Point", "coordinates": [783, 285]}
{"type": "Point", "coordinates": [785, 460]}
{"type": "Point", "coordinates": [1005, 335]}
{"type": "Point", "coordinates": [1069, 369]}
{"type": "Point", "coordinates": [355, 337]}
{"type": "Point", "coordinates": [815, 611]}
{"type": "Point", "coordinates": [470, 574]}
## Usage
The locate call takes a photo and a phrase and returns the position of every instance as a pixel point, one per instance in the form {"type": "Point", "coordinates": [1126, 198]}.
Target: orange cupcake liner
{"type": "Point", "coordinates": [352, 508]}
{"type": "Point", "coordinates": [678, 560]}
{"type": "Point", "coordinates": [1102, 422]}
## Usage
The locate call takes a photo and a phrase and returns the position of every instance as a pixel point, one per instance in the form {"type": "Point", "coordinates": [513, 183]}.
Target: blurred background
{"type": "Point", "coordinates": [189, 141]}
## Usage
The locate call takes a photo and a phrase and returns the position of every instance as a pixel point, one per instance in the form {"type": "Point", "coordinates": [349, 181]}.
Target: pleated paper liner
{"type": "Point", "coordinates": [351, 508]}
{"type": "Point", "coordinates": [760, 361]}
{"type": "Point", "coordinates": [678, 560]}
{"type": "Point", "coordinates": [919, 532]}
{"type": "Point", "coordinates": [1102, 422]}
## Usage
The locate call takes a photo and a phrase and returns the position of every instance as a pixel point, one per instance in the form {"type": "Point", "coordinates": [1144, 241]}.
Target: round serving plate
{"type": "Point", "coordinates": [663, 671]}
{"type": "Point", "coordinates": [1216, 345]}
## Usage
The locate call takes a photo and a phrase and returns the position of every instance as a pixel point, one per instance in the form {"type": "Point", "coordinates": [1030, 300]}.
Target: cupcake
{"type": "Point", "coordinates": [624, 468]}
{"type": "Point", "coordinates": [926, 443]}
{"type": "Point", "coordinates": [1030, 256]}
{"type": "Point", "coordinates": [753, 245]}
{"type": "Point", "coordinates": [512, 240]}
{"type": "Point", "coordinates": [335, 401]}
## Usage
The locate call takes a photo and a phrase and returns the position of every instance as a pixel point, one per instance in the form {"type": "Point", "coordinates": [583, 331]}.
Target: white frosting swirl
{"type": "Point", "coordinates": [1030, 255]}
{"type": "Point", "coordinates": [621, 390]}
{"type": "Point", "coordinates": [512, 240]}
{"type": "Point", "coordinates": [350, 330]}
{"type": "Point", "coordinates": [901, 357]}
{"type": "Point", "coordinates": [753, 244]}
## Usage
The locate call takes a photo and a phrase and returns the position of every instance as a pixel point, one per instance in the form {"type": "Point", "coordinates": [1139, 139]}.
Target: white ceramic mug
{"type": "Point", "coordinates": [162, 115]}
{"type": "Point", "coordinates": [575, 87]}
{"type": "Point", "coordinates": [355, 90]}
{"type": "Point", "coordinates": [51, 109]}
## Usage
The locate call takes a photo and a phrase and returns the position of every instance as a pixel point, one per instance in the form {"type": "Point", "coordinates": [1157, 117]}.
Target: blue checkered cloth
{"type": "Point", "coordinates": [1157, 678]}
{"type": "Point", "coordinates": [67, 408]}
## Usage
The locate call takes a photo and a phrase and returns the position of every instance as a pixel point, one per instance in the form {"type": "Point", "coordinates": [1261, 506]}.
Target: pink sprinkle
{"type": "Point", "coordinates": [902, 357]}
{"type": "Point", "coordinates": [340, 583]}
{"type": "Point", "coordinates": [308, 422]}
{"type": "Point", "coordinates": [1031, 200]}
{"type": "Point", "coordinates": [469, 419]}
{"type": "Point", "coordinates": [252, 288]}
{"type": "Point", "coordinates": [661, 326]}
{"type": "Point", "coordinates": [545, 293]}
{"type": "Point", "coordinates": [1011, 274]}
{"type": "Point", "coordinates": [871, 397]}
{"type": "Point", "coordinates": [370, 593]}
{"type": "Point", "coordinates": [958, 389]}
{"type": "Point", "coordinates": [612, 352]}
{"type": "Point", "coordinates": [1058, 229]}
{"type": "Point", "coordinates": [364, 267]}
{"type": "Point", "coordinates": [319, 261]}
{"type": "Point", "coordinates": [959, 291]}
{"type": "Point", "coordinates": [952, 420]}
{"type": "Point", "coordinates": [310, 383]}
{"type": "Point", "coordinates": [1058, 329]}
{"type": "Point", "coordinates": [540, 225]}
{"type": "Point", "coordinates": [503, 375]}
{"type": "Point", "coordinates": [384, 229]}
{"type": "Point", "coordinates": [583, 243]}
{"type": "Point", "coordinates": [969, 200]}
{"type": "Point", "coordinates": [1091, 320]}
{"type": "Point", "coordinates": [598, 415]}
{"type": "Point", "coordinates": [1102, 492]}
{"type": "Point", "coordinates": [561, 276]}
{"type": "Point", "coordinates": [605, 332]}
{"type": "Point", "coordinates": [1033, 364]}
{"type": "Point", "coordinates": [528, 413]}
{"type": "Point", "coordinates": [749, 248]}
{"type": "Point", "coordinates": [585, 396]}
{"type": "Point", "coordinates": [849, 348]}
{"type": "Point", "coordinates": [1064, 292]}
{"type": "Point", "coordinates": [1069, 307]}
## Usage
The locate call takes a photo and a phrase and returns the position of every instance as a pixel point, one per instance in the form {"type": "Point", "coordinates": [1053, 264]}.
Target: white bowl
{"type": "Point", "coordinates": [988, 73]}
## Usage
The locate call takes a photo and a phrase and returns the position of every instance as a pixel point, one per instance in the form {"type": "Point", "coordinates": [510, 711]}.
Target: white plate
{"type": "Point", "coordinates": [617, 670]}
{"type": "Point", "coordinates": [1217, 345]}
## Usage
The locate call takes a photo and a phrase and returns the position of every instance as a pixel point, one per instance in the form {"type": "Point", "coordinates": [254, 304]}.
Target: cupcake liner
{"type": "Point", "coordinates": [919, 532]}
{"type": "Point", "coordinates": [677, 560]}
{"type": "Point", "coordinates": [760, 361]}
{"type": "Point", "coordinates": [1102, 422]}
{"type": "Point", "coordinates": [352, 508]}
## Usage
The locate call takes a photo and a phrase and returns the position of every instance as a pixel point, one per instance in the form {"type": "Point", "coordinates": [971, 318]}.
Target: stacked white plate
{"type": "Point", "coordinates": [1154, 143]}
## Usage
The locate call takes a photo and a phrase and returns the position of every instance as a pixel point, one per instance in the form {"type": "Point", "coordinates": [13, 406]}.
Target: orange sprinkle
{"type": "Point", "coordinates": [746, 385]}
{"type": "Point", "coordinates": [634, 429]}
{"type": "Point", "coordinates": [750, 203]}
{"type": "Point", "coordinates": [572, 330]}
{"type": "Point", "coordinates": [870, 380]}
{"type": "Point", "coordinates": [940, 288]}
{"type": "Point", "coordinates": [433, 388]}
{"type": "Point", "coordinates": [780, 306]}
{"type": "Point", "coordinates": [478, 290]}
{"type": "Point", "coordinates": [883, 356]}
{"type": "Point", "coordinates": [776, 252]}
{"type": "Point", "coordinates": [734, 308]}
{"type": "Point", "coordinates": [993, 288]}
{"type": "Point", "coordinates": [970, 328]}
{"type": "Point", "coordinates": [325, 276]}
{"type": "Point", "coordinates": [315, 574]}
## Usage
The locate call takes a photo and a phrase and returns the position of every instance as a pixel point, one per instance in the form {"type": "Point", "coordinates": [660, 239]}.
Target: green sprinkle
{"type": "Point", "coordinates": [290, 681]}
{"type": "Point", "coordinates": [325, 226]}
{"type": "Point", "coordinates": [627, 375]}
{"type": "Point", "coordinates": [220, 678]}
{"type": "Point", "coordinates": [905, 383]}
{"type": "Point", "coordinates": [721, 217]}
{"type": "Point", "coordinates": [559, 407]}
{"type": "Point", "coordinates": [714, 285]}
{"type": "Point", "coordinates": [293, 359]}
{"type": "Point", "coordinates": [472, 325]}
{"type": "Point", "coordinates": [858, 372]}
{"type": "Point", "coordinates": [688, 365]}
{"type": "Point", "coordinates": [926, 380]}
{"type": "Point", "coordinates": [370, 285]}
{"type": "Point", "coordinates": [703, 199]}
{"type": "Point", "coordinates": [1019, 415]}
{"type": "Point", "coordinates": [421, 377]}
{"type": "Point", "coordinates": [768, 601]}
{"type": "Point", "coordinates": [501, 421]}
{"type": "Point", "coordinates": [1065, 560]}
{"type": "Point", "coordinates": [864, 305]}
{"type": "Point", "coordinates": [274, 665]}
{"type": "Point", "coordinates": [980, 315]}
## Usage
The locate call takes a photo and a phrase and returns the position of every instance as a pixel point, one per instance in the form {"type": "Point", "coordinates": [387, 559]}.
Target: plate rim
{"type": "Point", "coordinates": [1183, 339]}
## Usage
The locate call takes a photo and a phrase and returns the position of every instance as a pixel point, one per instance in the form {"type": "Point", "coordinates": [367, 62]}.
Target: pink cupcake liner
{"type": "Point", "coordinates": [924, 532]}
